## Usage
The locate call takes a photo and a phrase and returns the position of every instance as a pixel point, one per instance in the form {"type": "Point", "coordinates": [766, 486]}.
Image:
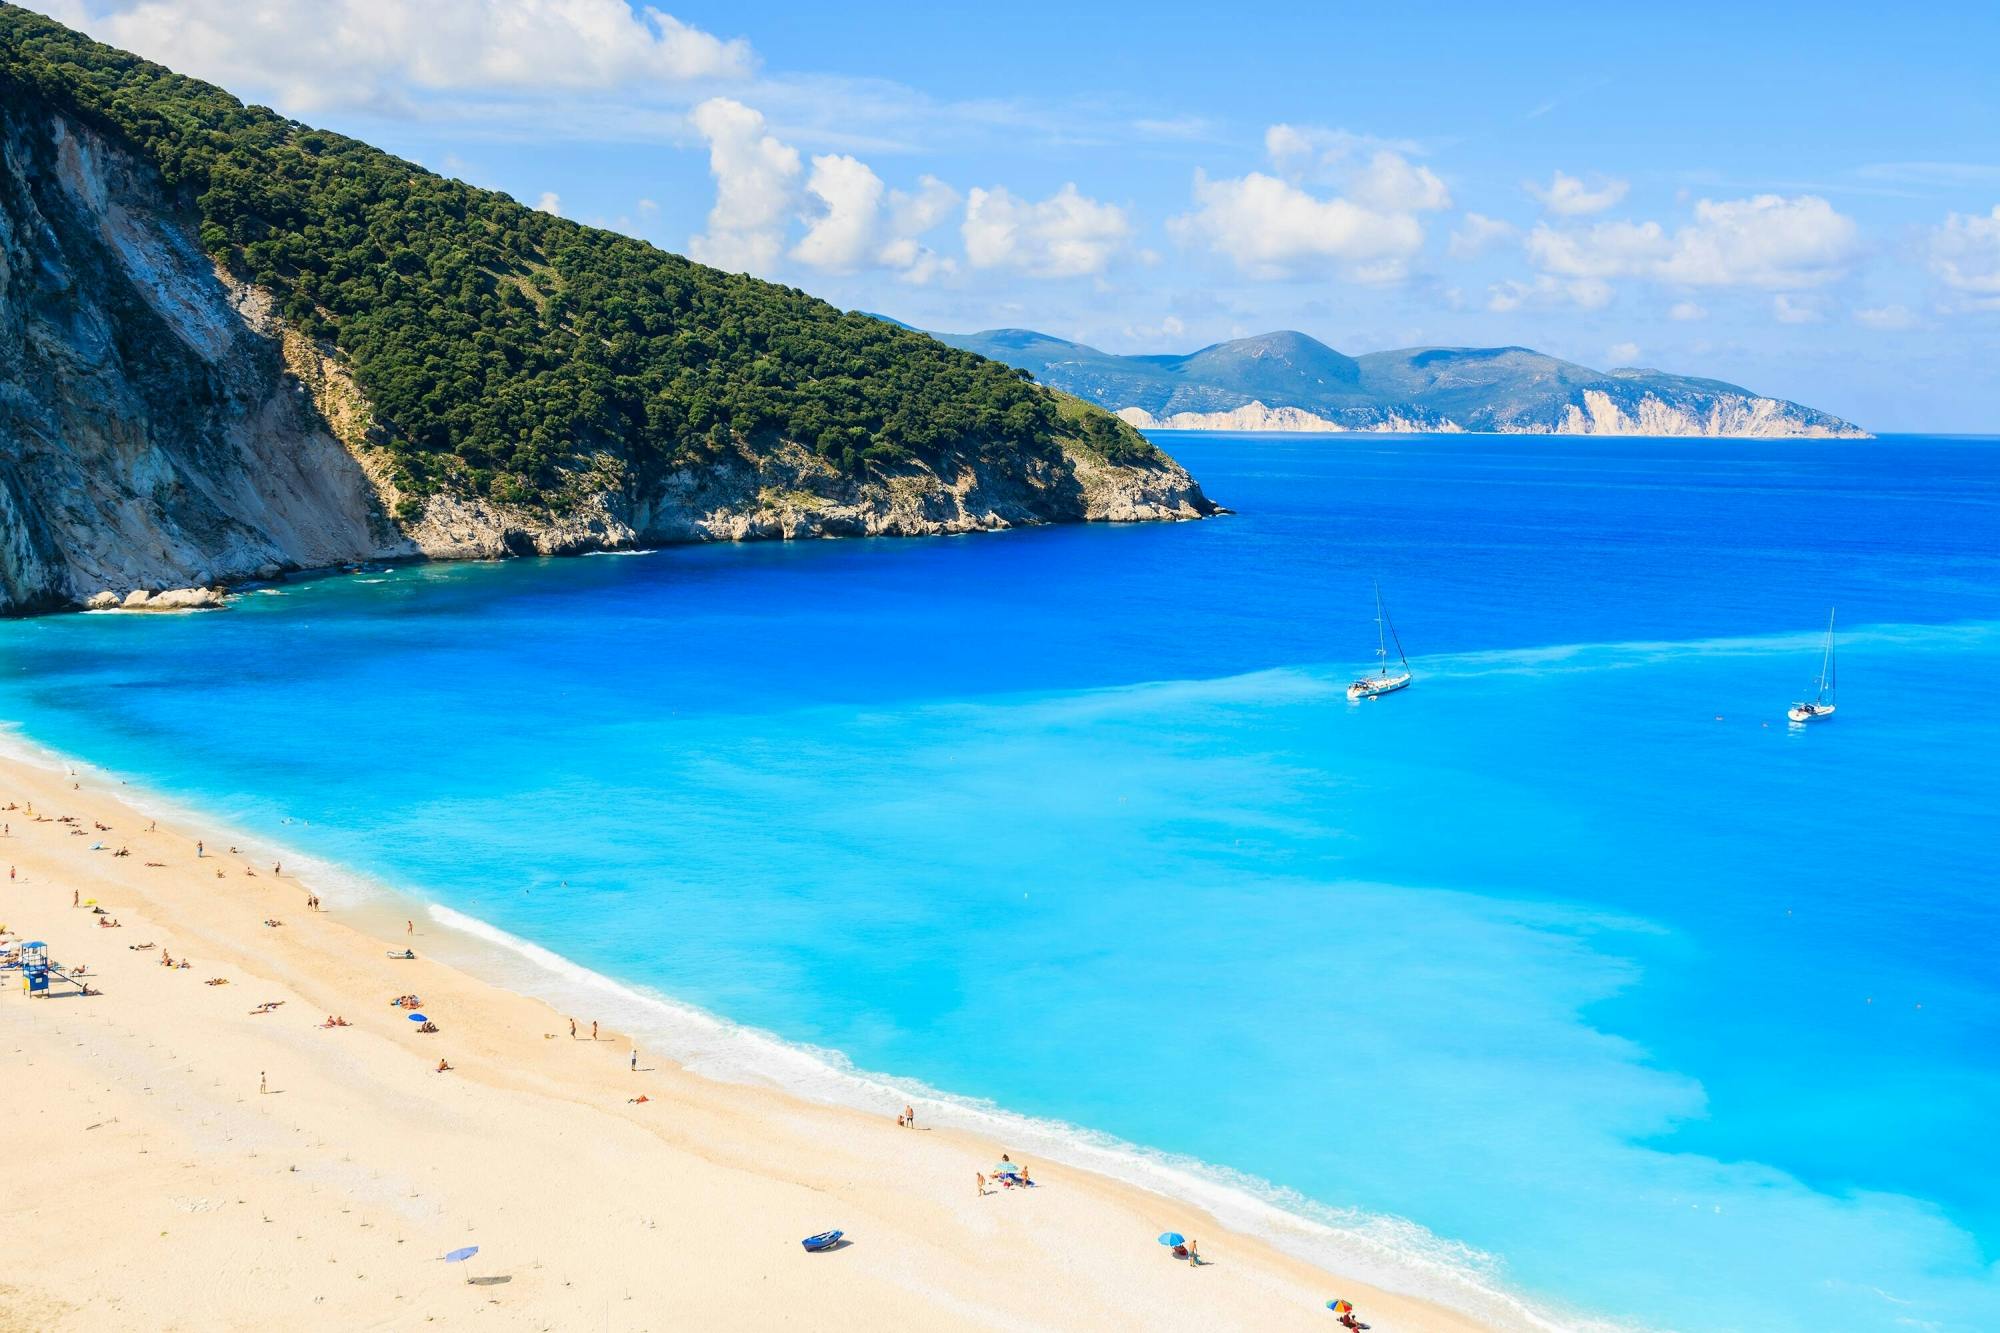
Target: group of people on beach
{"type": "Point", "coordinates": [1007, 1174]}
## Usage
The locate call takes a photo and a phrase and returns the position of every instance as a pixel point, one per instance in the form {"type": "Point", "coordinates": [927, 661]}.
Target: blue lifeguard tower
{"type": "Point", "coordinates": [34, 967]}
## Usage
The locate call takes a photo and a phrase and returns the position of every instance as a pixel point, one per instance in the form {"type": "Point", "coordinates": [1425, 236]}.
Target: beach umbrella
{"type": "Point", "coordinates": [418, 1018]}
{"type": "Point", "coordinates": [1341, 1307]}
{"type": "Point", "coordinates": [1172, 1238]}
{"type": "Point", "coordinates": [460, 1256]}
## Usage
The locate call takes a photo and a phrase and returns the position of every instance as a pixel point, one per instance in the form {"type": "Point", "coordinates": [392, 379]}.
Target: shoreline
{"type": "Point", "coordinates": [498, 1037]}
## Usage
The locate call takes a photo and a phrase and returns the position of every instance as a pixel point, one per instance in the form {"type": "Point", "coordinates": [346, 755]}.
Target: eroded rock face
{"type": "Point", "coordinates": [161, 427]}
{"type": "Point", "coordinates": [149, 435]}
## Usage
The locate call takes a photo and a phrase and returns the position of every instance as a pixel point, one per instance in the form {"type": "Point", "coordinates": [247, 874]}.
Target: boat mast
{"type": "Point", "coordinates": [1394, 637]}
{"type": "Point", "coordinates": [1381, 635]}
{"type": "Point", "coordinates": [1826, 661]}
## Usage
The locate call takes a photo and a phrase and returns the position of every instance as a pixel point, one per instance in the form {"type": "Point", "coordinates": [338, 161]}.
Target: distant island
{"type": "Point", "coordinates": [1289, 381]}
{"type": "Point", "coordinates": [233, 345]}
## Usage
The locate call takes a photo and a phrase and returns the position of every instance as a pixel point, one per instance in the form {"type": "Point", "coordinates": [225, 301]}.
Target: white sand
{"type": "Point", "coordinates": [148, 1183]}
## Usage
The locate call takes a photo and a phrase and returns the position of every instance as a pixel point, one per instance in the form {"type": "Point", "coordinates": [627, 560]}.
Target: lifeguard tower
{"type": "Point", "coordinates": [34, 967]}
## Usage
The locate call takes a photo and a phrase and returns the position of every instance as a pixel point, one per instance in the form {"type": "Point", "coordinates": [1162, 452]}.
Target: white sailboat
{"type": "Point", "coordinates": [1386, 679]}
{"type": "Point", "coordinates": [1820, 706]}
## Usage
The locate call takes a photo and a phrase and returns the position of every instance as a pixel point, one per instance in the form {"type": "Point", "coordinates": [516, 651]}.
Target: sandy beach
{"type": "Point", "coordinates": [182, 1155]}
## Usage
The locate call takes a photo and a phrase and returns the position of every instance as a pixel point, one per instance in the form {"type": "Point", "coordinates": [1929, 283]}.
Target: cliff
{"type": "Point", "coordinates": [1288, 381]}
{"type": "Point", "coordinates": [187, 397]}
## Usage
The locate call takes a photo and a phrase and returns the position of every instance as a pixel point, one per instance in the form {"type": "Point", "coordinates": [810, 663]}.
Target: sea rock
{"type": "Point", "coordinates": [175, 599]}
{"type": "Point", "coordinates": [102, 601]}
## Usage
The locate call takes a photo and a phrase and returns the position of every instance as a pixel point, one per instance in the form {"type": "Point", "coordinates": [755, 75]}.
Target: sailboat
{"type": "Point", "coordinates": [1385, 680]}
{"type": "Point", "coordinates": [1821, 704]}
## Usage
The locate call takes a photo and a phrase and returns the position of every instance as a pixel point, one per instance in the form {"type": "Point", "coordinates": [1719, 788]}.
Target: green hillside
{"type": "Point", "coordinates": [498, 345]}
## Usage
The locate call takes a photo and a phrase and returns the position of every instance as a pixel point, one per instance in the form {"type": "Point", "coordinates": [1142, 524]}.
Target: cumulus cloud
{"type": "Point", "coordinates": [1271, 227]}
{"type": "Point", "coordinates": [863, 225]}
{"type": "Point", "coordinates": [1477, 234]}
{"type": "Point", "coordinates": [755, 181]}
{"type": "Point", "coordinates": [1965, 256]}
{"type": "Point", "coordinates": [1687, 311]}
{"type": "Point", "coordinates": [1392, 183]}
{"type": "Point", "coordinates": [1064, 236]}
{"type": "Point", "coordinates": [371, 50]}
{"type": "Point", "coordinates": [550, 202]}
{"type": "Point", "coordinates": [1569, 196]}
{"type": "Point", "coordinates": [1605, 250]}
{"type": "Point", "coordinates": [1276, 225]}
{"type": "Point", "coordinates": [1768, 242]}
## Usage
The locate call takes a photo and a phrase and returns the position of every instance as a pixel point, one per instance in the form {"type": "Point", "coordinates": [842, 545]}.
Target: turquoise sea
{"type": "Point", "coordinates": [1570, 985]}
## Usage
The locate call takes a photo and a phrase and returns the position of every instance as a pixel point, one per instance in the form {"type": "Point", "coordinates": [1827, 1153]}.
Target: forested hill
{"type": "Point", "coordinates": [502, 352]}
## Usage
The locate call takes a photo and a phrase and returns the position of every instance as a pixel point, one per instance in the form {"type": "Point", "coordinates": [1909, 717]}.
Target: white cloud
{"type": "Point", "coordinates": [1392, 184]}
{"type": "Point", "coordinates": [755, 185]}
{"type": "Point", "coordinates": [1623, 354]}
{"type": "Point", "coordinates": [862, 225]}
{"type": "Point", "coordinates": [1274, 225]}
{"type": "Point", "coordinates": [321, 52]}
{"type": "Point", "coordinates": [1546, 292]}
{"type": "Point", "coordinates": [1767, 242]}
{"type": "Point", "coordinates": [842, 236]}
{"type": "Point", "coordinates": [1965, 255]}
{"type": "Point", "coordinates": [1568, 196]}
{"type": "Point", "coordinates": [1478, 234]}
{"type": "Point", "coordinates": [1788, 311]}
{"type": "Point", "coordinates": [1298, 150]}
{"type": "Point", "coordinates": [1605, 250]}
{"type": "Point", "coordinates": [1064, 236]}
{"type": "Point", "coordinates": [1687, 312]}
{"type": "Point", "coordinates": [550, 202]}
{"type": "Point", "coordinates": [1271, 227]}
{"type": "Point", "coordinates": [1889, 318]}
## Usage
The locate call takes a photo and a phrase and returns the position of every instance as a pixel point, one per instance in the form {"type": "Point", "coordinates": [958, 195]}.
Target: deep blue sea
{"type": "Point", "coordinates": [1573, 972]}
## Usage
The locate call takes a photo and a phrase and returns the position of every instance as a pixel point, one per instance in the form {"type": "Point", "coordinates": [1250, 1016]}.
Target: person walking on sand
{"type": "Point", "coordinates": [635, 1059]}
{"type": "Point", "coordinates": [262, 1086]}
{"type": "Point", "coordinates": [198, 851]}
{"type": "Point", "coordinates": [572, 1029]}
{"type": "Point", "coordinates": [909, 1117]}
{"type": "Point", "coordinates": [981, 1176]}
{"type": "Point", "coordinates": [409, 927]}
{"type": "Point", "coordinates": [593, 1029]}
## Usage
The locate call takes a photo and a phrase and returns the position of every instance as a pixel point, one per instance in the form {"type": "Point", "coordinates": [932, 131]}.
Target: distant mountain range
{"type": "Point", "coordinates": [1288, 381]}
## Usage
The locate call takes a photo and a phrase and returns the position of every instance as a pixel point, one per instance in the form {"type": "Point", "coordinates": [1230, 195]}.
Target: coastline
{"type": "Point", "coordinates": [693, 1201]}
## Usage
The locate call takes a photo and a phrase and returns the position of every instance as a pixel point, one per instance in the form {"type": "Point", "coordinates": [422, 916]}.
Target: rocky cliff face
{"type": "Point", "coordinates": [1255, 416]}
{"type": "Point", "coordinates": [161, 427]}
{"type": "Point", "coordinates": [149, 436]}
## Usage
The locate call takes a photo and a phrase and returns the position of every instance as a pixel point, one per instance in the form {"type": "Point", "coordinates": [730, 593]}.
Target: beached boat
{"type": "Point", "coordinates": [1820, 706]}
{"type": "Point", "coordinates": [1385, 680]}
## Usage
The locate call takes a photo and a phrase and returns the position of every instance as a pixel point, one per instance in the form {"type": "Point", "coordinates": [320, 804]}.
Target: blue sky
{"type": "Point", "coordinates": [1801, 198]}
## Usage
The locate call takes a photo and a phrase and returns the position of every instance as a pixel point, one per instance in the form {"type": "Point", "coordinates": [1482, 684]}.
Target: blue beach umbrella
{"type": "Point", "coordinates": [460, 1256]}
{"type": "Point", "coordinates": [1172, 1238]}
{"type": "Point", "coordinates": [418, 1018]}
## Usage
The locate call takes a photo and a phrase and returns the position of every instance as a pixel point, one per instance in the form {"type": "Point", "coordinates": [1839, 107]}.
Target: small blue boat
{"type": "Point", "coordinates": [825, 1240]}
